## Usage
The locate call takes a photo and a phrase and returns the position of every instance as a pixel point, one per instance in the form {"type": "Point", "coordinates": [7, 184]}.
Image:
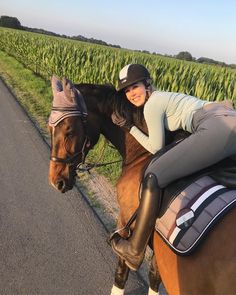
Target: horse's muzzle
{"type": "Point", "coordinates": [63, 186]}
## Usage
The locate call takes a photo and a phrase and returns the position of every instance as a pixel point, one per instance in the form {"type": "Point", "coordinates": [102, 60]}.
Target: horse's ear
{"type": "Point", "coordinates": [74, 95]}
{"type": "Point", "coordinates": [69, 90]}
{"type": "Point", "coordinates": [56, 85]}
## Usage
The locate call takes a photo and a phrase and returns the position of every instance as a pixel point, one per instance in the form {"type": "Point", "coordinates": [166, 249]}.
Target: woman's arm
{"type": "Point", "coordinates": [154, 114]}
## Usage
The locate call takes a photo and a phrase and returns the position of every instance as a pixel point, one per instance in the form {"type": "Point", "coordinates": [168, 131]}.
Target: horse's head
{"type": "Point", "coordinates": [67, 120]}
{"type": "Point", "coordinates": [72, 137]}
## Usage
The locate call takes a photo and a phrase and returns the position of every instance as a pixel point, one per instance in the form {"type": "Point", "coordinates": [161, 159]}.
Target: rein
{"type": "Point", "coordinates": [86, 167]}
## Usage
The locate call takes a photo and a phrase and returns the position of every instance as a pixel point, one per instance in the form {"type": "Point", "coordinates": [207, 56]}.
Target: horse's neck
{"type": "Point", "coordinates": [130, 150]}
{"type": "Point", "coordinates": [98, 99]}
{"type": "Point", "coordinates": [115, 135]}
{"type": "Point", "coordinates": [134, 152]}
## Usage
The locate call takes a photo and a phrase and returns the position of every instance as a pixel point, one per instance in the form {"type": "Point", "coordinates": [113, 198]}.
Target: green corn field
{"type": "Point", "coordinates": [90, 63]}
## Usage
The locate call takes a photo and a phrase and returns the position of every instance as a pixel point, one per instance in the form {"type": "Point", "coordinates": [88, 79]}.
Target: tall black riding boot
{"type": "Point", "coordinates": [133, 249]}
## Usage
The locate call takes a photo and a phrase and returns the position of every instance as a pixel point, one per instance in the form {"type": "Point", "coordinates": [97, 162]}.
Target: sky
{"type": "Point", "coordinates": [205, 28]}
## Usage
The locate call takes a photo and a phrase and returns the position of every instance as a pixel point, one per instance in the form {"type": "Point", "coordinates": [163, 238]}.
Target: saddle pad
{"type": "Point", "coordinates": [193, 213]}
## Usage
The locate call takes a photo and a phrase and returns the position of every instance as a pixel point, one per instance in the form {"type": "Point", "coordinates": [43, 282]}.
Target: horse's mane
{"type": "Point", "coordinates": [101, 97]}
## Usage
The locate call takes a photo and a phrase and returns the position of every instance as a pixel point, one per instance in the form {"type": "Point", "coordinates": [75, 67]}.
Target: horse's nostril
{"type": "Point", "coordinates": [60, 185]}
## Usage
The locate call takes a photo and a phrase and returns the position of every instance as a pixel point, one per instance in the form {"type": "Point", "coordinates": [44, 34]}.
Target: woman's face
{"type": "Point", "coordinates": [136, 94]}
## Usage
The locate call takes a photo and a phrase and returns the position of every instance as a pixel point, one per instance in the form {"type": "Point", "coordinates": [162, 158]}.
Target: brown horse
{"type": "Point", "coordinates": [211, 269]}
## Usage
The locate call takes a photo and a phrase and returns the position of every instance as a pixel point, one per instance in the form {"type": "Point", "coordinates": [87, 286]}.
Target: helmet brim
{"type": "Point", "coordinates": [125, 85]}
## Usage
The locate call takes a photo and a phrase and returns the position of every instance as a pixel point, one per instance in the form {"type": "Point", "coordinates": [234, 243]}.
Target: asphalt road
{"type": "Point", "coordinates": [49, 243]}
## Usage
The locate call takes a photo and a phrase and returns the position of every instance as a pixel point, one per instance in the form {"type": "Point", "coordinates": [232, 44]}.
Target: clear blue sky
{"type": "Point", "coordinates": [202, 27]}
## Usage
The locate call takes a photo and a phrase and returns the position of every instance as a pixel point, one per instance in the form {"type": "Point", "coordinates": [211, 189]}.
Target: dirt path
{"type": "Point", "coordinates": [102, 197]}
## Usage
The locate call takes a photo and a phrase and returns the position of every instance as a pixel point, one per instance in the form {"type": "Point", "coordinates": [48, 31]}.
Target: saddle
{"type": "Point", "coordinates": [223, 172]}
{"type": "Point", "coordinates": [191, 206]}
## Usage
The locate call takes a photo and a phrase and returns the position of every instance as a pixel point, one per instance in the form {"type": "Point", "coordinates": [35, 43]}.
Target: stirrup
{"type": "Point", "coordinates": [116, 235]}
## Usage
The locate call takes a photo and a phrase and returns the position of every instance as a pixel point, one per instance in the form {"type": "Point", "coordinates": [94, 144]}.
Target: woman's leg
{"type": "Point", "coordinates": [214, 140]}
{"type": "Point", "coordinates": [133, 249]}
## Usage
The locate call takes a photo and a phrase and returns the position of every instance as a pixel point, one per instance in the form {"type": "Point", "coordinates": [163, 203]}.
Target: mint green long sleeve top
{"type": "Point", "coordinates": [168, 110]}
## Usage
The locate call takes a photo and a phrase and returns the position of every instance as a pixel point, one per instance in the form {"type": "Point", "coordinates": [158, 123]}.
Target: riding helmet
{"type": "Point", "coordinates": [131, 74]}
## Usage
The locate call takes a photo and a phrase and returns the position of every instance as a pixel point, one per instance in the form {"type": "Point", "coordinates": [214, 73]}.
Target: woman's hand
{"type": "Point", "coordinates": [120, 121]}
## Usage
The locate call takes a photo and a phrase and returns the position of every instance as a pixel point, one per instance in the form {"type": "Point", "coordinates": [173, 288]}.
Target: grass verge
{"type": "Point", "coordinates": [33, 93]}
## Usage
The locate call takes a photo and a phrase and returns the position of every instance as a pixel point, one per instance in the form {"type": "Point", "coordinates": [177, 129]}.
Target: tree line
{"type": "Point", "coordinates": [185, 55]}
{"type": "Point", "coordinates": [14, 23]}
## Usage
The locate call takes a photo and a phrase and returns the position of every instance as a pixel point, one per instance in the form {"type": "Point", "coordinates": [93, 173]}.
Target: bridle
{"type": "Point", "coordinates": [70, 159]}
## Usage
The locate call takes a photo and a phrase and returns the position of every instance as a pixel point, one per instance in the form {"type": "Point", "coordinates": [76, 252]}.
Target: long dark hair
{"type": "Point", "coordinates": [123, 107]}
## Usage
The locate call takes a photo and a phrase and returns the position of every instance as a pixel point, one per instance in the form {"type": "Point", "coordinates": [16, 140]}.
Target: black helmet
{"type": "Point", "coordinates": [131, 74]}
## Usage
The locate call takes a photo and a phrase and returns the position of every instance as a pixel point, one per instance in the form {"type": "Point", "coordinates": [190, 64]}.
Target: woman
{"type": "Point", "coordinates": [213, 138]}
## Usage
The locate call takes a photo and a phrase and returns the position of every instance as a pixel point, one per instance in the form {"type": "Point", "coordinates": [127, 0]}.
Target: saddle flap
{"type": "Point", "coordinates": [193, 212]}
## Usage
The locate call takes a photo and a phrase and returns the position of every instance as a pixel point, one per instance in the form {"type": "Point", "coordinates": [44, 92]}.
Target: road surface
{"type": "Point", "coordinates": [50, 243]}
